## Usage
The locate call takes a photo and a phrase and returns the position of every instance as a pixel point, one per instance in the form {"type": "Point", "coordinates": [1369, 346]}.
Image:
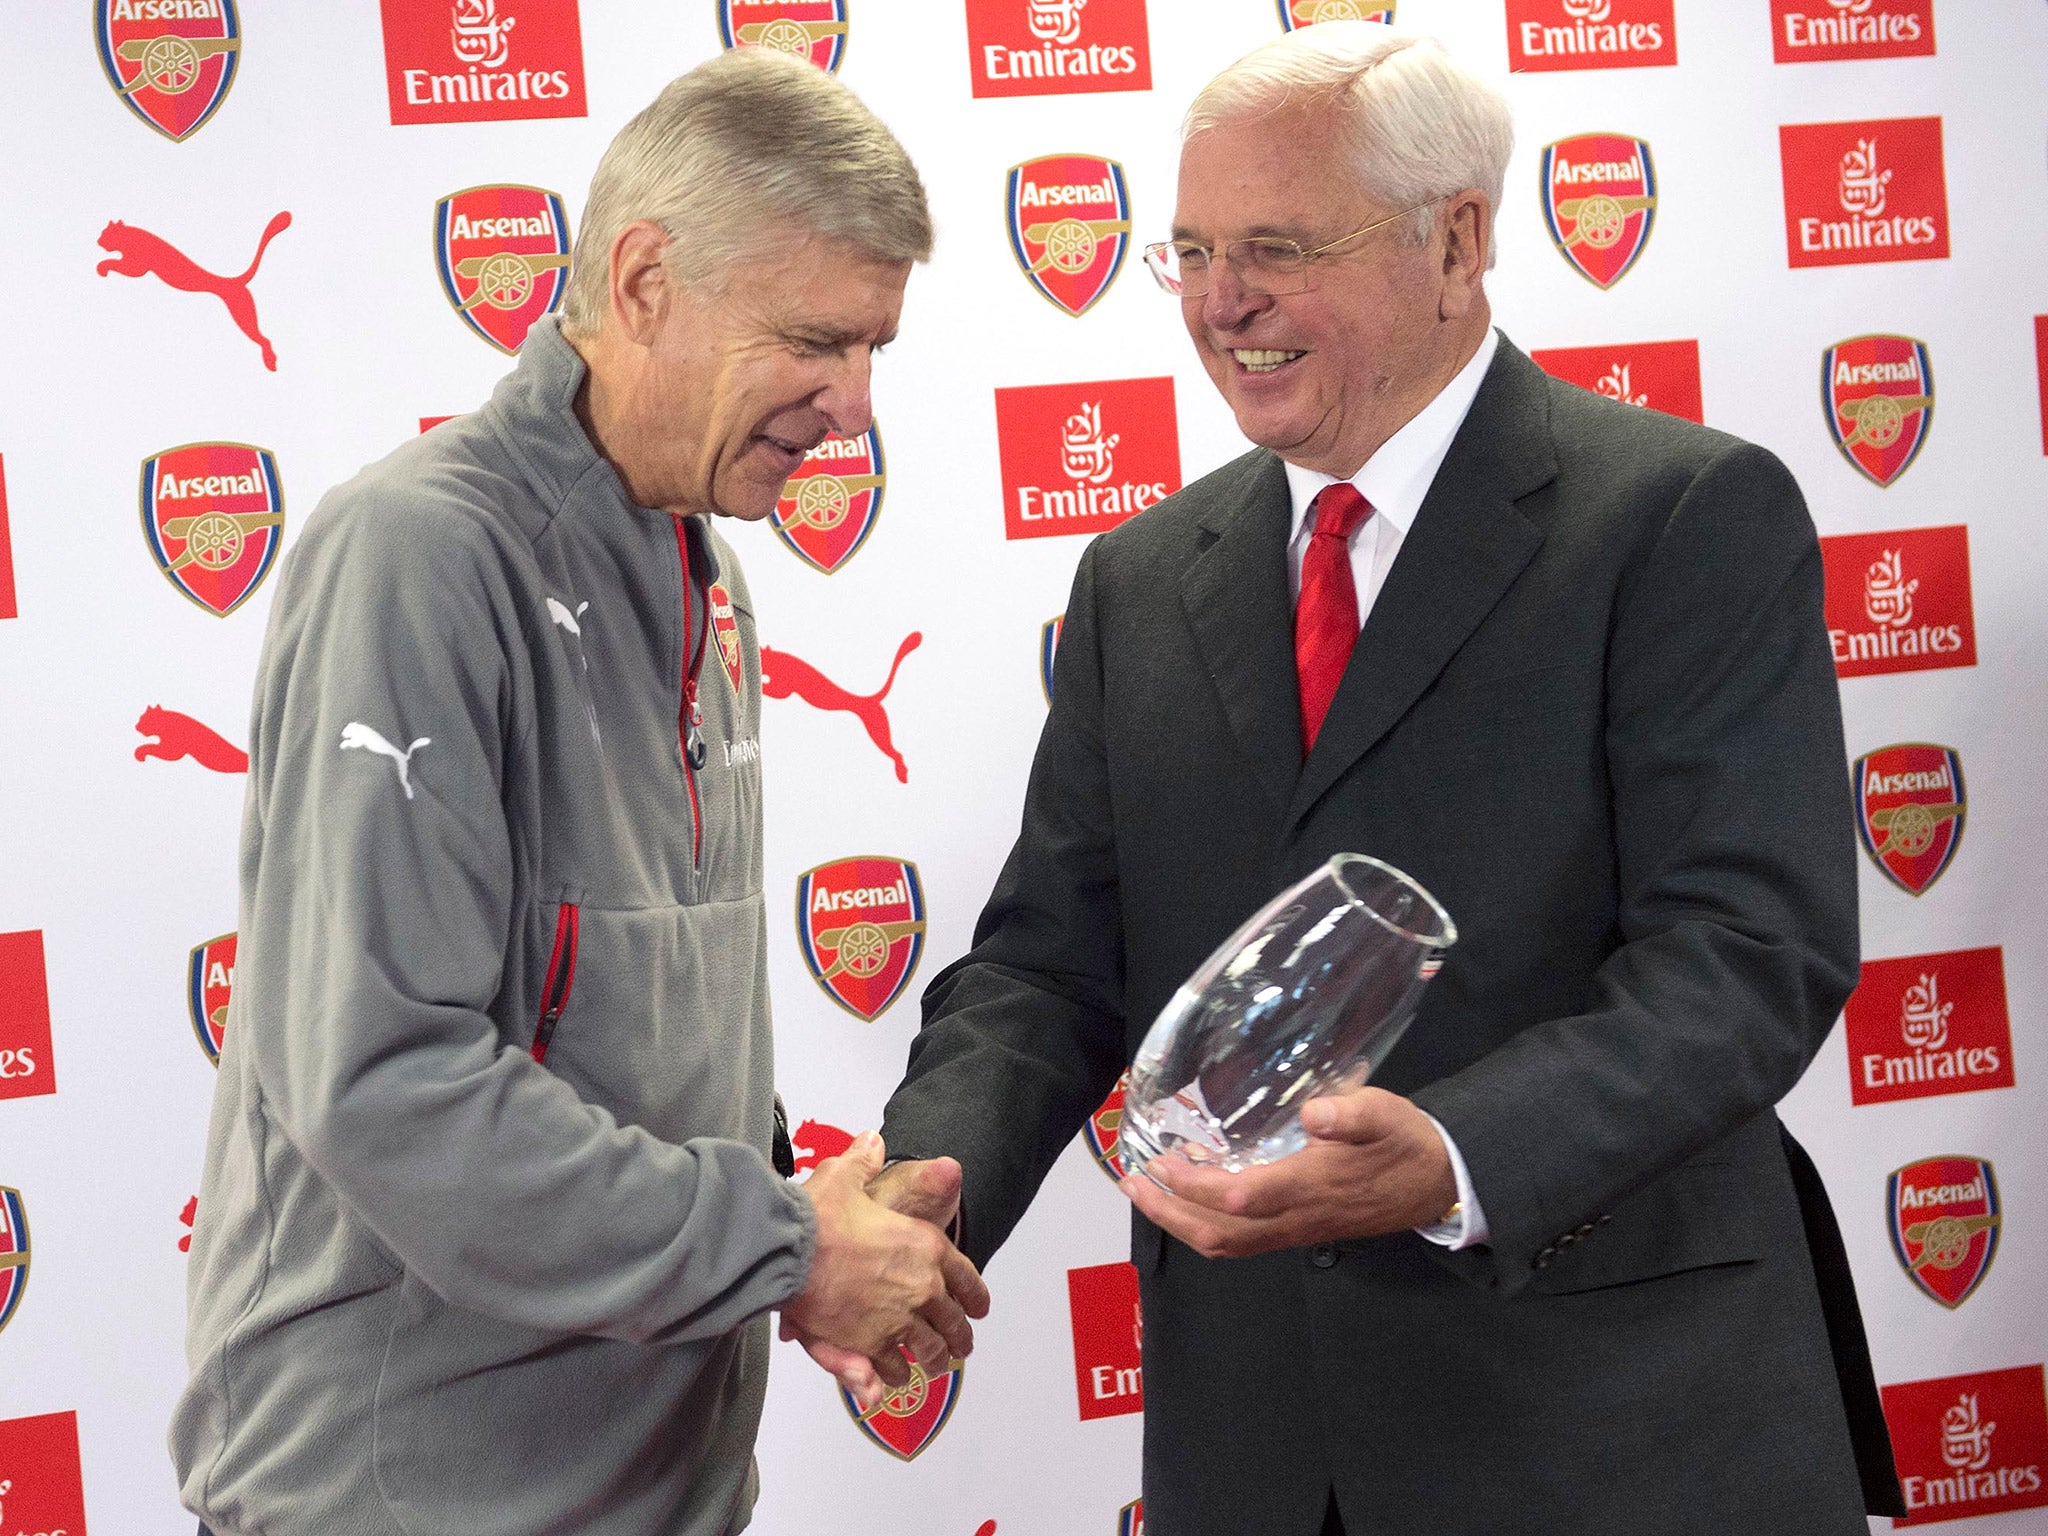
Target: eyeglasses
{"type": "Point", "coordinates": [1264, 264]}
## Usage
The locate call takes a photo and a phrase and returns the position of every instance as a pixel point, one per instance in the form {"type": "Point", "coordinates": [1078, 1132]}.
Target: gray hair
{"type": "Point", "coordinates": [748, 141]}
{"type": "Point", "coordinates": [1419, 125]}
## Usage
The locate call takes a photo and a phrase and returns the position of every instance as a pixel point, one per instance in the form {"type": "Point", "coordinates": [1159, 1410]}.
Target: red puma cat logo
{"type": "Point", "coordinates": [182, 736]}
{"type": "Point", "coordinates": [815, 1141]}
{"type": "Point", "coordinates": [783, 675]}
{"type": "Point", "coordinates": [138, 253]}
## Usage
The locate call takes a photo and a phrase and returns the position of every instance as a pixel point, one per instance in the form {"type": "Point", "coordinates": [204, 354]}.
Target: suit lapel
{"type": "Point", "coordinates": [1238, 605]}
{"type": "Point", "coordinates": [1465, 549]}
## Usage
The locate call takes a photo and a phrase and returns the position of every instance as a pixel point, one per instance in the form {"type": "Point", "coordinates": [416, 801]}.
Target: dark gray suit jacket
{"type": "Point", "coordinates": [1593, 711]}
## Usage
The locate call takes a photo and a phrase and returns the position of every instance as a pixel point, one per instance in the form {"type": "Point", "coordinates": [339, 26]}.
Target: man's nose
{"type": "Point", "coordinates": [1229, 303]}
{"type": "Point", "coordinates": [845, 400]}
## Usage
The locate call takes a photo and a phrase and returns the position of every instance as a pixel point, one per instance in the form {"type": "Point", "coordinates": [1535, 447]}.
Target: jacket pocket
{"type": "Point", "coordinates": [561, 976]}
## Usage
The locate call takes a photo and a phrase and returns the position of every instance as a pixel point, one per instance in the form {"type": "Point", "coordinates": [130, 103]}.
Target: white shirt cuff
{"type": "Point", "coordinates": [1468, 1228]}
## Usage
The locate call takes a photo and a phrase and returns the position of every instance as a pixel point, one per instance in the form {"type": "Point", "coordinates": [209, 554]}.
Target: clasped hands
{"type": "Point", "coordinates": [885, 1283]}
{"type": "Point", "coordinates": [886, 1286]}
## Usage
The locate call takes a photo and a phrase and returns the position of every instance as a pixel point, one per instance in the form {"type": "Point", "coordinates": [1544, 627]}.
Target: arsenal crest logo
{"type": "Point", "coordinates": [1909, 811]}
{"type": "Point", "coordinates": [1599, 199]}
{"type": "Point", "coordinates": [1878, 393]}
{"type": "Point", "coordinates": [860, 925]}
{"type": "Point", "coordinates": [725, 631]}
{"type": "Point", "coordinates": [1070, 225]}
{"type": "Point", "coordinates": [810, 29]}
{"type": "Point", "coordinates": [13, 1253]}
{"type": "Point", "coordinates": [909, 1418]}
{"type": "Point", "coordinates": [209, 981]}
{"type": "Point", "coordinates": [830, 505]}
{"type": "Point", "coordinates": [503, 255]}
{"type": "Point", "coordinates": [1943, 1216]}
{"type": "Point", "coordinates": [1048, 648]}
{"type": "Point", "coordinates": [1306, 13]}
{"type": "Point", "coordinates": [171, 64]}
{"type": "Point", "coordinates": [1100, 1133]}
{"type": "Point", "coordinates": [213, 514]}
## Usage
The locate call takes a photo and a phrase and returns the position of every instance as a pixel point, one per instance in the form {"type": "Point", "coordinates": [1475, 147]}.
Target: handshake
{"type": "Point", "coordinates": [886, 1286]}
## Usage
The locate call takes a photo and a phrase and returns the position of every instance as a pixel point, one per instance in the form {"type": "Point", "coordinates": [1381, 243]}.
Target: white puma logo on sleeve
{"type": "Point", "coordinates": [356, 735]}
{"type": "Point", "coordinates": [559, 612]}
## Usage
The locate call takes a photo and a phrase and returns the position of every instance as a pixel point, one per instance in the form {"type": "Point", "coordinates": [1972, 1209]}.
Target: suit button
{"type": "Point", "coordinates": [1601, 1221]}
{"type": "Point", "coordinates": [1568, 1239]}
{"type": "Point", "coordinates": [1542, 1259]}
{"type": "Point", "coordinates": [1584, 1231]}
{"type": "Point", "coordinates": [1323, 1257]}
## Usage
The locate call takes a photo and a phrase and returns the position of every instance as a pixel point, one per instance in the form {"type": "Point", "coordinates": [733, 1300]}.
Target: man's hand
{"type": "Point", "coordinates": [1374, 1164]}
{"type": "Point", "coordinates": [882, 1285]}
{"type": "Point", "coordinates": [927, 1189]}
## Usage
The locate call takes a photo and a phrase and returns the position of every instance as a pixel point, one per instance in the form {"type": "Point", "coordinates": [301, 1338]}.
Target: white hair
{"type": "Point", "coordinates": [1419, 126]}
{"type": "Point", "coordinates": [728, 156]}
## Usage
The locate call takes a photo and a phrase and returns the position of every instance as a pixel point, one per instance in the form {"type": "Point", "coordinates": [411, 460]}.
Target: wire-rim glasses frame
{"type": "Point", "coordinates": [1265, 264]}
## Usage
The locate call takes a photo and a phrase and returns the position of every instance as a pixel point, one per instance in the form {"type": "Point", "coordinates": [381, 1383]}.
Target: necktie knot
{"type": "Point", "coordinates": [1340, 510]}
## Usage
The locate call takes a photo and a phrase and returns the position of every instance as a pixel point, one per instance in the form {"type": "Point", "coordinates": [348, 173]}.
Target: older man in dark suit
{"type": "Point", "coordinates": [1561, 659]}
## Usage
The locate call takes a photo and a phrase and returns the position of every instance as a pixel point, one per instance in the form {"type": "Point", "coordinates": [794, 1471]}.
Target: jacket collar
{"type": "Point", "coordinates": [533, 411]}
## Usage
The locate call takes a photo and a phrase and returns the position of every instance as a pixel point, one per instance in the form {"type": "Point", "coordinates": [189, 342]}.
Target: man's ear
{"type": "Point", "coordinates": [641, 285]}
{"type": "Point", "coordinates": [1468, 238]}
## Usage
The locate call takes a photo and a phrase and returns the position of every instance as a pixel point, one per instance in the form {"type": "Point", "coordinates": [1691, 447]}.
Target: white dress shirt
{"type": "Point", "coordinates": [1394, 481]}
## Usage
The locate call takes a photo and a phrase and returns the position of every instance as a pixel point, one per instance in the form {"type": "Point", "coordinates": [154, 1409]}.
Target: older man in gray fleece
{"type": "Point", "coordinates": [488, 1229]}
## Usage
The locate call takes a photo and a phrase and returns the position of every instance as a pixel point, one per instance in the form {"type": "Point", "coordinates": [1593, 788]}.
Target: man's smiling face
{"type": "Point", "coordinates": [1325, 376]}
{"type": "Point", "coordinates": [740, 384]}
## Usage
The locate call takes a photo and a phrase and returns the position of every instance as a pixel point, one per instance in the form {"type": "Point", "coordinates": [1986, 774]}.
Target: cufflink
{"type": "Point", "coordinates": [1453, 1216]}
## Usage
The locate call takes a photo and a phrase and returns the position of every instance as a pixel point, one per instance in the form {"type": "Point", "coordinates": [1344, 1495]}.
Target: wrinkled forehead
{"type": "Point", "coordinates": [1280, 173]}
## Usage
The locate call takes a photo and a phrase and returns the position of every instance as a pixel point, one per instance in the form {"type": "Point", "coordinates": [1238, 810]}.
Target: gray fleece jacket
{"type": "Point", "coordinates": [487, 1222]}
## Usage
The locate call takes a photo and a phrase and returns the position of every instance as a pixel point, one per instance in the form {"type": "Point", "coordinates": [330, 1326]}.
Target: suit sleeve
{"type": "Point", "coordinates": [1023, 1035]}
{"type": "Point", "coordinates": [1736, 872]}
{"type": "Point", "coordinates": [381, 920]}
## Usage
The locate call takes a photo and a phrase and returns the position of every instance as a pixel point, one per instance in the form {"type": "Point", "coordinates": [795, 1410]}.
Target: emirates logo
{"type": "Point", "coordinates": [1966, 1436]}
{"type": "Point", "coordinates": [1059, 21]}
{"type": "Point", "coordinates": [1923, 1016]}
{"type": "Point", "coordinates": [1614, 384]}
{"type": "Point", "coordinates": [1862, 183]}
{"type": "Point", "coordinates": [1887, 595]}
{"type": "Point", "coordinates": [477, 34]}
{"type": "Point", "coordinates": [1085, 454]}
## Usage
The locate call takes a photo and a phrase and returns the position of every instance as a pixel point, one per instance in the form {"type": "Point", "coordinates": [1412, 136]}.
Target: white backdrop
{"type": "Point", "coordinates": [112, 869]}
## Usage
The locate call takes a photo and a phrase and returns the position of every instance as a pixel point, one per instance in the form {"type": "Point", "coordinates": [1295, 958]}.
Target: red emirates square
{"type": "Point", "coordinates": [1057, 47]}
{"type": "Point", "coordinates": [1970, 1445]}
{"type": "Point", "coordinates": [1924, 1025]}
{"type": "Point", "coordinates": [25, 1065]}
{"type": "Point", "coordinates": [1861, 192]}
{"type": "Point", "coordinates": [1661, 375]}
{"type": "Point", "coordinates": [1819, 32]}
{"type": "Point", "coordinates": [41, 1490]}
{"type": "Point", "coordinates": [1081, 458]}
{"type": "Point", "coordinates": [1109, 1337]}
{"type": "Point", "coordinates": [9, 611]}
{"type": "Point", "coordinates": [1609, 34]}
{"type": "Point", "coordinates": [1899, 601]}
{"type": "Point", "coordinates": [2040, 366]}
{"type": "Point", "coordinates": [482, 61]}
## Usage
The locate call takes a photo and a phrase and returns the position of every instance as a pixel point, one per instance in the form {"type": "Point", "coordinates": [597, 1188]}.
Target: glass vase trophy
{"type": "Point", "coordinates": [1307, 998]}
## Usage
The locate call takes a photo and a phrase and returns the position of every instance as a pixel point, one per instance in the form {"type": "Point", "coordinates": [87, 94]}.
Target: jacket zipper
{"type": "Point", "coordinates": [554, 991]}
{"type": "Point", "coordinates": [689, 724]}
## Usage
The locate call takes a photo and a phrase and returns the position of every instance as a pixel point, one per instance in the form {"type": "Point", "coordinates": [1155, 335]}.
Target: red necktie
{"type": "Point", "coordinates": [1326, 617]}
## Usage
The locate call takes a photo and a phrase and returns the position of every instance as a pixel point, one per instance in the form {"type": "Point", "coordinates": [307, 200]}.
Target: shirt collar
{"type": "Point", "coordinates": [1396, 479]}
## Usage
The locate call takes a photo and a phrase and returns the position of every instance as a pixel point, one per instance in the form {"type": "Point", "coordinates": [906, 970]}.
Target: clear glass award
{"type": "Point", "coordinates": [1307, 998]}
